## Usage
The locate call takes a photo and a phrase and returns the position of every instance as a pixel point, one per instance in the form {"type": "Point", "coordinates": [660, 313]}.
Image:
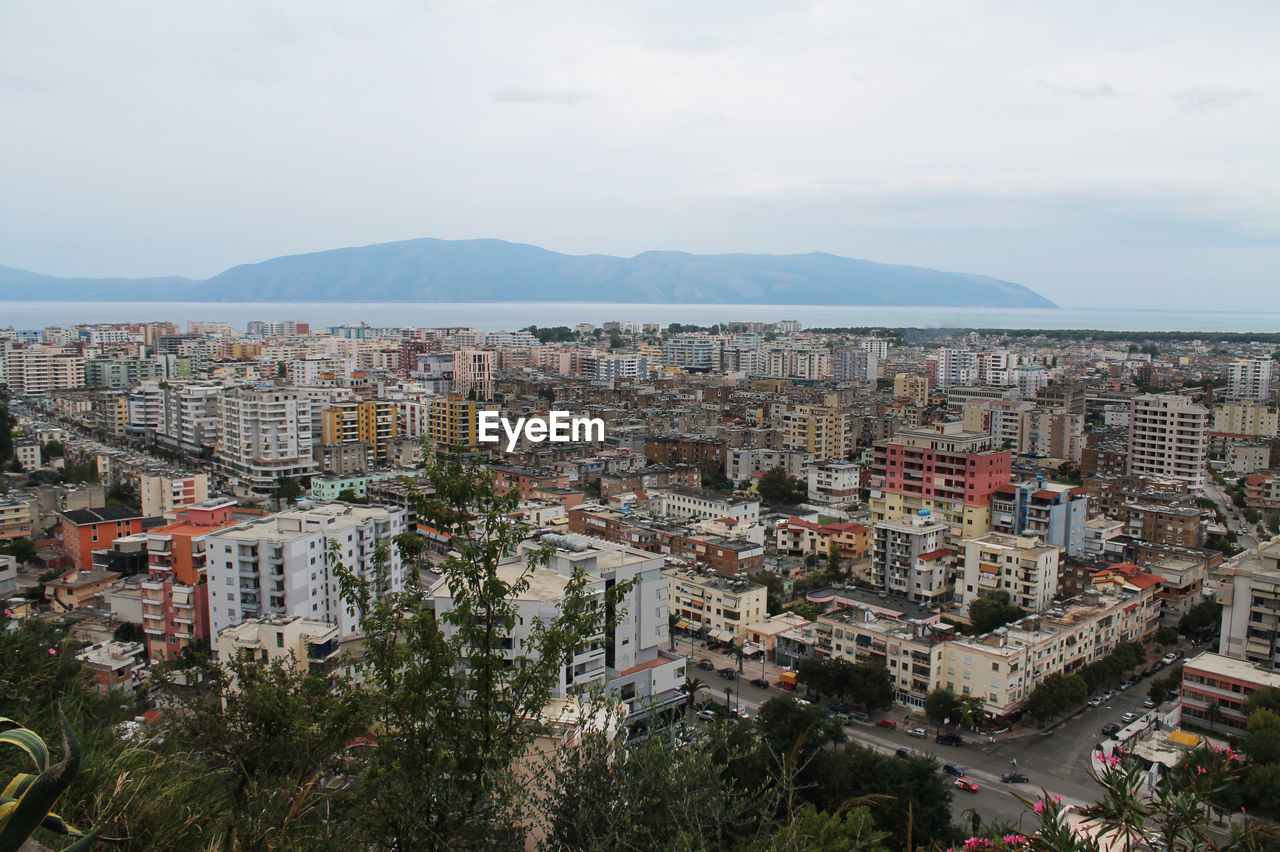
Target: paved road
{"type": "Point", "coordinates": [1056, 760]}
{"type": "Point", "coordinates": [1234, 519]}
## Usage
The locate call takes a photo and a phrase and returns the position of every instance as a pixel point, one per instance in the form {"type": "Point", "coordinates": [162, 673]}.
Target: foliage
{"type": "Point", "coordinates": [288, 489]}
{"type": "Point", "coordinates": [128, 631]}
{"type": "Point", "coordinates": [52, 449]}
{"type": "Point", "coordinates": [992, 610]}
{"type": "Point", "coordinates": [29, 798]}
{"type": "Point", "coordinates": [1268, 697]}
{"type": "Point", "coordinates": [1056, 694]}
{"type": "Point", "coordinates": [454, 712]}
{"type": "Point", "coordinates": [1166, 636]}
{"type": "Point", "coordinates": [23, 550]}
{"type": "Point", "coordinates": [558, 334]}
{"type": "Point", "coordinates": [1166, 686]}
{"type": "Point", "coordinates": [778, 489]}
{"type": "Point", "coordinates": [867, 684]}
{"type": "Point", "coordinates": [122, 495]}
{"type": "Point", "coordinates": [1201, 618]}
{"type": "Point", "coordinates": [348, 495]}
{"type": "Point", "coordinates": [940, 705]}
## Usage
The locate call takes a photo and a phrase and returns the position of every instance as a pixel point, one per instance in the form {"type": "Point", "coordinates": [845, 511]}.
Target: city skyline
{"type": "Point", "coordinates": [1085, 153]}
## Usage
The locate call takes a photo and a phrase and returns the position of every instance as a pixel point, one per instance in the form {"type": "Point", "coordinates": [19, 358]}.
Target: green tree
{"type": "Point", "coordinates": [1262, 742]}
{"type": "Point", "coordinates": [23, 550]}
{"type": "Point", "coordinates": [288, 490]}
{"type": "Point", "coordinates": [834, 561]}
{"type": "Point", "coordinates": [1056, 694]}
{"type": "Point", "coordinates": [1201, 618]}
{"type": "Point", "coordinates": [127, 631]}
{"type": "Point", "coordinates": [940, 705]}
{"type": "Point", "coordinates": [456, 711]}
{"type": "Point", "coordinates": [52, 449]}
{"type": "Point", "coordinates": [1166, 636]}
{"type": "Point", "coordinates": [1267, 698]}
{"type": "Point", "coordinates": [776, 488]}
{"type": "Point", "coordinates": [992, 610]}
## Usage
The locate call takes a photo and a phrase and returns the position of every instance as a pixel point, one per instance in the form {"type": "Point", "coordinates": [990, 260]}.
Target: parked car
{"type": "Point", "coordinates": [1110, 729]}
{"type": "Point", "coordinates": [740, 713]}
{"type": "Point", "coordinates": [966, 784]}
{"type": "Point", "coordinates": [728, 673]}
{"type": "Point", "coordinates": [706, 665]}
{"type": "Point", "coordinates": [1150, 670]}
{"type": "Point", "coordinates": [1095, 701]}
{"type": "Point", "coordinates": [918, 732]}
{"type": "Point", "coordinates": [953, 769]}
{"type": "Point", "coordinates": [1125, 684]}
{"type": "Point", "coordinates": [1128, 717]}
{"type": "Point", "coordinates": [1149, 702]}
{"type": "Point", "coordinates": [905, 752]}
{"type": "Point", "coordinates": [1108, 695]}
{"type": "Point", "coordinates": [887, 723]}
{"type": "Point", "coordinates": [950, 739]}
{"type": "Point", "coordinates": [1169, 658]}
{"type": "Point", "coordinates": [859, 716]}
{"type": "Point", "coordinates": [760, 683]}
{"type": "Point", "coordinates": [1014, 778]}
{"type": "Point", "coordinates": [707, 715]}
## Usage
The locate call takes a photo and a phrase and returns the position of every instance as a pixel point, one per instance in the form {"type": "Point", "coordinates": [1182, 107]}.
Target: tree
{"type": "Point", "coordinates": [1056, 694]}
{"type": "Point", "coordinates": [455, 711]}
{"type": "Point", "coordinates": [834, 561]}
{"type": "Point", "coordinates": [941, 705]}
{"type": "Point", "coordinates": [1201, 618]}
{"type": "Point", "coordinates": [1267, 698]}
{"type": "Point", "coordinates": [776, 488]}
{"type": "Point", "coordinates": [992, 610]}
{"type": "Point", "coordinates": [52, 449]}
{"type": "Point", "coordinates": [1166, 636]}
{"type": "Point", "coordinates": [122, 495]}
{"type": "Point", "coordinates": [288, 489]}
{"type": "Point", "coordinates": [691, 687]}
{"type": "Point", "coordinates": [413, 549]}
{"type": "Point", "coordinates": [23, 550]}
{"type": "Point", "coordinates": [127, 631]}
{"type": "Point", "coordinates": [1213, 713]}
{"type": "Point", "coordinates": [1262, 742]}
{"type": "Point", "coordinates": [871, 685]}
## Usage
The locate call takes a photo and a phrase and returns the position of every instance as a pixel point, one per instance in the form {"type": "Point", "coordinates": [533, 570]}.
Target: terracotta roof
{"type": "Point", "coordinates": [934, 554]}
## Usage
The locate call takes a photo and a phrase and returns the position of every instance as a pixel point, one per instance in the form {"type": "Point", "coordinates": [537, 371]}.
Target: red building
{"type": "Point", "coordinates": [941, 463]}
{"type": "Point", "coordinates": [85, 530]}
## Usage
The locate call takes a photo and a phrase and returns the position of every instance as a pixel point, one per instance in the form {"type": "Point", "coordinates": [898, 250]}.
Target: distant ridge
{"type": "Point", "coordinates": [430, 270]}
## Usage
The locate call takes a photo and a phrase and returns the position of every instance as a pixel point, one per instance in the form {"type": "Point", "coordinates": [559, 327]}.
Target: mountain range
{"type": "Point", "coordinates": [430, 270]}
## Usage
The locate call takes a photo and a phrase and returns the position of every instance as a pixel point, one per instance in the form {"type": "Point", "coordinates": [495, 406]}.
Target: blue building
{"type": "Point", "coordinates": [1055, 512]}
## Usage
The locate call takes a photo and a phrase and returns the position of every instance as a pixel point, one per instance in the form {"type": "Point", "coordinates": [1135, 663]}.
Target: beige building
{"type": "Point", "coordinates": [723, 606]}
{"type": "Point", "coordinates": [1021, 566]}
{"type": "Point", "coordinates": [818, 429]}
{"type": "Point", "coordinates": [310, 647]}
{"type": "Point", "coordinates": [1249, 591]}
{"type": "Point", "coordinates": [1246, 417]}
{"type": "Point", "coordinates": [170, 491]}
{"type": "Point", "coordinates": [473, 370]}
{"type": "Point", "coordinates": [1167, 437]}
{"type": "Point", "coordinates": [915, 387]}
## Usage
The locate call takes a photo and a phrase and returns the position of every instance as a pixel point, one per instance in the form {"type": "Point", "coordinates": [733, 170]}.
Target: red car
{"type": "Point", "coordinates": [888, 723]}
{"type": "Point", "coordinates": [965, 784]}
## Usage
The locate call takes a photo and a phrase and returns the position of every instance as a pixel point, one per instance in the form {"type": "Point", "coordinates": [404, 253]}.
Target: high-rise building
{"type": "Point", "coordinates": [473, 371]}
{"type": "Point", "coordinates": [908, 558]}
{"type": "Point", "coordinates": [40, 369]}
{"type": "Point", "coordinates": [265, 435]}
{"type": "Point", "coordinates": [692, 352]}
{"type": "Point", "coordinates": [453, 421]}
{"type": "Point", "coordinates": [1250, 378]}
{"type": "Point", "coordinates": [822, 430]}
{"type": "Point", "coordinates": [1167, 437]}
{"type": "Point", "coordinates": [285, 564]}
{"type": "Point", "coordinates": [1249, 591]}
{"type": "Point", "coordinates": [1246, 417]}
{"type": "Point", "coordinates": [374, 422]}
{"type": "Point", "coordinates": [850, 363]}
{"type": "Point", "coordinates": [1056, 513]}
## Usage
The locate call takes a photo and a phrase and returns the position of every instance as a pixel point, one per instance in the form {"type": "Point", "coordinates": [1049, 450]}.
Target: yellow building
{"type": "Point", "coordinates": [374, 422]}
{"type": "Point", "coordinates": [964, 521]}
{"type": "Point", "coordinates": [915, 387]}
{"type": "Point", "coordinates": [453, 422]}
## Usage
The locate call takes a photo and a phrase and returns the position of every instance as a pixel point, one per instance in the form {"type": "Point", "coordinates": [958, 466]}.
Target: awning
{"type": "Point", "coordinates": [753, 648]}
{"type": "Point", "coordinates": [722, 635]}
{"type": "Point", "coordinates": [682, 625]}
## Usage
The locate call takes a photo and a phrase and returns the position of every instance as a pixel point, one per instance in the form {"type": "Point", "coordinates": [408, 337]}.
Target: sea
{"type": "Point", "coordinates": [508, 316]}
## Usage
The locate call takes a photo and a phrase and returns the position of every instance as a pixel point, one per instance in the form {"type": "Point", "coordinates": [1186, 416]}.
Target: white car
{"type": "Point", "coordinates": [918, 732]}
{"type": "Point", "coordinates": [1095, 701]}
{"type": "Point", "coordinates": [1128, 717]}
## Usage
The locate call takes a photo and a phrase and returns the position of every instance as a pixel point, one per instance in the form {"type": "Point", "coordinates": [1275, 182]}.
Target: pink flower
{"type": "Point", "coordinates": [1057, 799]}
{"type": "Point", "coordinates": [53, 651]}
{"type": "Point", "coordinates": [1200, 770]}
{"type": "Point", "coordinates": [9, 613]}
{"type": "Point", "coordinates": [976, 843]}
{"type": "Point", "coordinates": [1039, 807]}
{"type": "Point", "coordinates": [1014, 838]}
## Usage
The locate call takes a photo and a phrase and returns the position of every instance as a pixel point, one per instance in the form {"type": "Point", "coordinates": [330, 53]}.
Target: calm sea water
{"type": "Point", "coordinates": [497, 316]}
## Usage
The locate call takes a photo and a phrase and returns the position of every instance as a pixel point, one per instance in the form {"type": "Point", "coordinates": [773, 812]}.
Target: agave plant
{"type": "Point", "coordinates": [27, 802]}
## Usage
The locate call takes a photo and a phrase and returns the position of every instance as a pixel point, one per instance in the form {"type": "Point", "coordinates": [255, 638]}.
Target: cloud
{"type": "Point", "coordinates": [1204, 100]}
{"type": "Point", "coordinates": [1102, 90]}
{"type": "Point", "coordinates": [535, 95]}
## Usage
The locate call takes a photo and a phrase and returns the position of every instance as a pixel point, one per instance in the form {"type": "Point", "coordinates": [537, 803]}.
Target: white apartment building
{"type": "Point", "coordinates": [1167, 437]}
{"type": "Point", "coordinates": [620, 366]}
{"type": "Point", "coordinates": [1249, 591]}
{"type": "Point", "coordinates": [169, 491]}
{"type": "Point", "coordinates": [1246, 417]}
{"type": "Point", "coordinates": [1250, 378]}
{"type": "Point", "coordinates": [722, 606]}
{"type": "Point", "coordinates": [834, 481]}
{"type": "Point", "coordinates": [473, 370]}
{"type": "Point", "coordinates": [956, 367]}
{"type": "Point", "coordinates": [192, 418]}
{"type": "Point", "coordinates": [684, 501]}
{"type": "Point", "coordinates": [692, 352]}
{"type": "Point", "coordinates": [41, 369]}
{"type": "Point", "coordinates": [147, 406]}
{"type": "Point", "coordinates": [798, 362]}
{"type": "Point", "coordinates": [854, 363]}
{"type": "Point", "coordinates": [315, 368]}
{"type": "Point", "coordinates": [282, 565]}
{"type": "Point", "coordinates": [908, 557]}
{"type": "Point", "coordinates": [742, 463]}
{"type": "Point", "coordinates": [265, 435]}
{"type": "Point", "coordinates": [1019, 565]}
{"type": "Point", "coordinates": [307, 645]}
{"type": "Point", "coordinates": [632, 662]}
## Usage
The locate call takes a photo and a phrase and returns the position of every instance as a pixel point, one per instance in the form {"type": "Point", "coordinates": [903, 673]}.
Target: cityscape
{"type": "Point", "coordinates": [1012, 556]}
{"type": "Point", "coordinates": [639, 427]}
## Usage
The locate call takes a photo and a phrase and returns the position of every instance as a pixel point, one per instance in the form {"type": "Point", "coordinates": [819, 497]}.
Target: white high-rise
{"type": "Point", "coordinates": [285, 564]}
{"type": "Point", "coordinates": [265, 435]}
{"type": "Point", "coordinates": [1167, 437]}
{"type": "Point", "coordinates": [1249, 378]}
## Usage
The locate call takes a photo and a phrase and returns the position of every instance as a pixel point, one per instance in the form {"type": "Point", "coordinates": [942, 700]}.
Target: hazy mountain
{"type": "Point", "coordinates": [429, 270]}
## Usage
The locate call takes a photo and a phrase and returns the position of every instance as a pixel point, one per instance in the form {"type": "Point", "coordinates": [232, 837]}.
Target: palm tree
{"type": "Point", "coordinates": [672, 621]}
{"type": "Point", "coordinates": [1213, 713]}
{"type": "Point", "coordinates": [691, 687]}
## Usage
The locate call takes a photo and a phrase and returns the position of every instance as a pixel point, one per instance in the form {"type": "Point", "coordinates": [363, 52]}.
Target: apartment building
{"type": "Point", "coordinates": [692, 352]}
{"type": "Point", "coordinates": [854, 363]}
{"type": "Point", "coordinates": [1210, 678]}
{"type": "Point", "coordinates": [1250, 378]}
{"type": "Point", "coordinates": [283, 564]}
{"type": "Point", "coordinates": [913, 387]}
{"type": "Point", "coordinates": [18, 513]}
{"type": "Point", "coordinates": [1165, 523]}
{"type": "Point", "coordinates": [1021, 566]}
{"type": "Point", "coordinates": [1056, 513]}
{"type": "Point", "coordinates": [685, 502]}
{"type": "Point", "coordinates": [821, 430]}
{"type": "Point", "coordinates": [265, 436]}
{"type": "Point", "coordinates": [1262, 490]}
{"type": "Point", "coordinates": [473, 372]}
{"type": "Point", "coordinates": [743, 463]}
{"type": "Point", "coordinates": [944, 468]}
{"type": "Point", "coordinates": [453, 422]}
{"type": "Point", "coordinates": [799, 537]}
{"type": "Point", "coordinates": [122, 373]}
{"type": "Point", "coordinates": [85, 530]}
{"type": "Point", "coordinates": [908, 558]}
{"type": "Point", "coordinates": [631, 661]}
{"type": "Point", "coordinates": [1167, 437]}
{"type": "Point", "coordinates": [191, 419]}
{"type": "Point", "coordinates": [721, 606]}
{"type": "Point", "coordinates": [165, 491]}
{"type": "Point", "coordinates": [374, 422]}
{"type": "Point", "coordinates": [1246, 417]}
{"type": "Point", "coordinates": [309, 647]}
{"type": "Point", "coordinates": [686, 449]}
{"type": "Point", "coordinates": [175, 594]}
{"type": "Point", "coordinates": [834, 481]}
{"type": "Point", "coordinates": [36, 370]}
{"type": "Point", "coordinates": [113, 665]}
{"type": "Point", "coordinates": [1249, 591]}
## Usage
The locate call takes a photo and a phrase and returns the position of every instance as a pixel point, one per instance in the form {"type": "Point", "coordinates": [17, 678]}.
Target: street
{"type": "Point", "coordinates": [1057, 760]}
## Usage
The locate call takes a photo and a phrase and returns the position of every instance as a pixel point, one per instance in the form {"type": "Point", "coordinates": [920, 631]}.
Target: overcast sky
{"type": "Point", "coordinates": [1103, 154]}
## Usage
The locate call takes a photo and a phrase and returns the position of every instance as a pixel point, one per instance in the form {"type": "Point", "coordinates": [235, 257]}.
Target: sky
{"type": "Point", "coordinates": [1104, 154]}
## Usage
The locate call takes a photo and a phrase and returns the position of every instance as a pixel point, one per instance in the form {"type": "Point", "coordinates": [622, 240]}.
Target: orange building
{"type": "Point", "coordinates": [86, 530]}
